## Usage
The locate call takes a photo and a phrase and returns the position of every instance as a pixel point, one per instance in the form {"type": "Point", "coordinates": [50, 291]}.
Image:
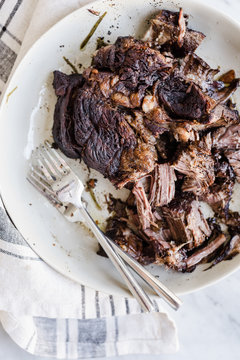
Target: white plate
{"type": "Point", "coordinates": [26, 120]}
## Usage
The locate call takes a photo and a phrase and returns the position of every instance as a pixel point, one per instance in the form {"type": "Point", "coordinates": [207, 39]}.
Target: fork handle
{"type": "Point", "coordinates": [137, 291]}
{"type": "Point", "coordinates": [161, 290]}
{"type": "Point", "coordinates": [150, 279]}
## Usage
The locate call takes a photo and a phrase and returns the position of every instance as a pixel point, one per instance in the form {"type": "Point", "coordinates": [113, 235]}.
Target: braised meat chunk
{"type": "Point", "coordinates": [186, 222]}
{"type": "Point", "coordinates": [131, 243]}
{"type": "Point", "coordinates": [63, 127]}
{"type": "Point", "coordinates": [137, 66]}
{"type": "Point", "coordinates": [205, 251]}
{"type": "Point", "coordinates": [162, 185]}
{"type": "Point", "coordinates": [152, 117]}
{"type": "Point", "coordinates": [144, 210]}
{"type": "Point", "coordinates": [221, 115]}
{"type": "Point", "coordinates": [227, 137]}
{"type": "Point", "coordinates": [195, 69]}
{"type": "Point", "coordinates": [168, 31]}
{"type": "Point", "coordinates": [128, 53]}
{"type": "Point", "coordinates": [234, 160]}
{"type": "Point", "coordinates": [184, 100]}
{"type": "Point", "coordinates": [136, 163]}
{"type": "Point", "coordinates": [197, 163]}
{"type": "Point", "coordinates": [97, 132]}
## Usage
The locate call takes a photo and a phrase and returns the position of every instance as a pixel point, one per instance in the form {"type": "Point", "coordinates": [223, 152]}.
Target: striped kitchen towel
{"type": "Point", "coordinates": [44, 312]}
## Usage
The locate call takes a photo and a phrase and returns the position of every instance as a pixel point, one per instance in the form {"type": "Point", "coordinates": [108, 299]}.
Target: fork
{"type": "Point", "coordinates": [53, 177]}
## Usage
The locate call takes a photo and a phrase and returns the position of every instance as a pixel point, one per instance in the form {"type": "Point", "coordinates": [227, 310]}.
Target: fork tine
{"type": "Point", "coordinates": [40, 175]}
{"type": "Point", "coordinates": [44, 185]}
{"type": "Point", "coordinates": [47, 162]}
{"type": "Point", "coordinates": [59, 162]}
{"type": "Point", "coordinates": [44, 170]}
{"type": "Point", "coordinates": [43, 189]}
{"type": "Point", "coordinates": [60, 170]}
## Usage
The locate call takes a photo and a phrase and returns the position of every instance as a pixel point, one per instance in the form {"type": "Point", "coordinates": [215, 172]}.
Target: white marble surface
{"type": "Point", "coordinates": [208, 322]}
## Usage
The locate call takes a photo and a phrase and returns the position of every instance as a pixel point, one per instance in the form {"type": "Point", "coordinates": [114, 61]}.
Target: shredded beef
{"type": "Point", "coordinates": [166, 147]}
{"type": "Point", "coordinates": [162, 185]}
{"type": "Point", "coordinates": [186, 221]}
{"type": "Point", "coordinates": [133, 244]}
{"type": "Point", "coordinates": [205, 251]}
{"type": "Point", "coordinates": [228, 251]}
{"type": "Point", "coordinates": [136, 163]}
{"type": "Point", "coordinates": [221, 115]}
{"type": "Point", "coordinates": [159, 238]}
{"type": "Point", "coordinates": [151, 116]}
{"type": "Point", "coordinates": [144, 210]}
{"type": "Point", "coordinates": [184, 132]}
{"type": "Point", "coordinates": [224, 94]}
{"type": "Point", "coordinates": [234, 160]}
{"type": "Point", "coordinates": [219, 194]}
{"type": "Point", "coordinates": [196, 162]}
{"type": "Point", "coordinates": [137, 122]}
{"type": "Point", "coordinates": [227, 137]}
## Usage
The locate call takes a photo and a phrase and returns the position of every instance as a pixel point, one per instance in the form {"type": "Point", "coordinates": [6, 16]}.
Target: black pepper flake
{"type": "Point", "coordinates": [54, 146]}
{"type": "Point", "coordinates": [100, 42]}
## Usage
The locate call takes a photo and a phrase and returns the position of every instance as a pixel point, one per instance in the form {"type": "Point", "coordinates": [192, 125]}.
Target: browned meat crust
{"type": "Point", "coordinates": [184, 100]}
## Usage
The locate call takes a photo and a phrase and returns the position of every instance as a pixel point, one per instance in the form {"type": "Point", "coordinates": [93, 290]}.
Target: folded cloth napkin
{"type": "Point", "coordinates": [44, 312]}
